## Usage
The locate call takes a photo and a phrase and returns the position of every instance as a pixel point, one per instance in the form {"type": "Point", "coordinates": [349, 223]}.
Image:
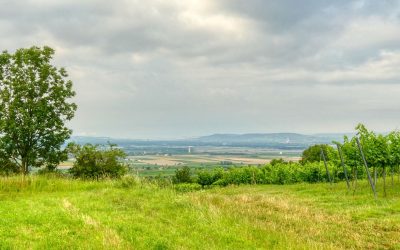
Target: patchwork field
{"type": "Point", "coordinates": [198, 159]}
{"type": "Point", "coordinates": [52, 213]}
{"type": "Point", "coordinates": [205, 157]}
{"type": "Point", "coordinates": [150, 165]}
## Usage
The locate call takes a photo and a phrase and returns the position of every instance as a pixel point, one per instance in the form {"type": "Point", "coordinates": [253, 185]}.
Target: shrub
{"type": "Point", "coordinates": [182, 175]}
{"type": "Point", "coordinates": [94, 162]}
{"type": "Point", "coordinates": [207, 178]}
{"type": "Point", "coordinates": [277, 161]}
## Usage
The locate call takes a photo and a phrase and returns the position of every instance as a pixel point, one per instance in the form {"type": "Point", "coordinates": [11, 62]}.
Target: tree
{"type": "Point", "coordinates": [34, 106]}
{"type": "Point", "coordinates": [94, 162]}
{"type": "Point", "coordinates": [313, 153]}
{"type": "Point", "coordinates": [182, 175]}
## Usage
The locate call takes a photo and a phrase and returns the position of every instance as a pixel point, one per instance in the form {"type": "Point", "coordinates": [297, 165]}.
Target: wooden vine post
{"type": "Point", "coordinates": [344, 167]}
{"type": "Point", "coordinates": [366, 166]}
{"type": "Point", "coordinates": [326, 166]}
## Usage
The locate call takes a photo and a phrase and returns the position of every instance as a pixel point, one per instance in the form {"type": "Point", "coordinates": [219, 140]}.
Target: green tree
{"type": "Point", "coordinates": [34, 106]}
{"type": "Point", "coordinates": [182, 175]}
{"type": "Point", "coordinates": [95, 162]}
{"type": "Point", "coordinates": [313, 153]}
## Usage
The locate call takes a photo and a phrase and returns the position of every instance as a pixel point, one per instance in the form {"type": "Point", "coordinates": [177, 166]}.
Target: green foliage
{"type": "Point", "coordinates": [182, 175]}
{"type": "Point", "coordinates": [351, 154]}
{"type": "Point", "coordinates": [277, 161]}
{"type": "Point", "coordinates": [375, 147]}
{"type": "Point", "coordinates": [278, 173]}
{"type": "Point", "coordinates": [394, 148]}
{"type": "Point", "coordinates": [242, 175]}
{"type": "Point", "coordinates": [207, 178]}
{"type": "Point", "coordinates": [313, 153]}
{"type": "Point", "coordinates": [94, 162]}
{"type": "Point", "coordinates": [8, 167]}
{"type": "Point", "coordinates": [34, 106]}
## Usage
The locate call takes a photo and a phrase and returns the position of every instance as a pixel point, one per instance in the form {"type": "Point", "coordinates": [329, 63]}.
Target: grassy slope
{"type": "Point", "coordinates": [51, 213]}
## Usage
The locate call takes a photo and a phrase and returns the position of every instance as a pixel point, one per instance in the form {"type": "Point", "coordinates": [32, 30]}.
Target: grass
{"type": "Point", "coordinates": [52, 213]}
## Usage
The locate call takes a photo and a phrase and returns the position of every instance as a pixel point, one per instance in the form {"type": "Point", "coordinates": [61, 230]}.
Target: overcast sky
{"type": "Point", "coordinates": [182, 68]}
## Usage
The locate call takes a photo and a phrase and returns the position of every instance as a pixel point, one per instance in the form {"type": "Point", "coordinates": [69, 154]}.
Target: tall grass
{"type": "Point", "coordinates": [47, 183]}
{"type": "Point", "coordinates": [52, 212]}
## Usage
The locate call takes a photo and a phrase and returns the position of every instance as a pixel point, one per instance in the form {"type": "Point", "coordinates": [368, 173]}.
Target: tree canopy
{"type": "Point", "coordinates": [34, 106]}
{"type": "Point", "coordinates": [313, 153]}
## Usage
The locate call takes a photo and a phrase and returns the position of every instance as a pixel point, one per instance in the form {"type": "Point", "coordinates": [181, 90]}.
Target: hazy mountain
{"type": "Point", "coordinates": [281, 141]}
{"type": "Point", "coordinates": [274, 138]}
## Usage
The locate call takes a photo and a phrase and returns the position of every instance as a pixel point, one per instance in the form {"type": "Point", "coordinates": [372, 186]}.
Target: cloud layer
{"type": "Point", "coordinates": [147, 69]}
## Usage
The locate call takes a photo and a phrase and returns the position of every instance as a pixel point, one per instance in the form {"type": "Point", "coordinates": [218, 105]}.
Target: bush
{"type": "Point", "coordinates": [94, 162]}
{"type": "Point", "coordinates": [277, 161]}
{"type": "Point", "coordinates": [207, 178]}
{"type": "Point", "coordinates": [182, 175]}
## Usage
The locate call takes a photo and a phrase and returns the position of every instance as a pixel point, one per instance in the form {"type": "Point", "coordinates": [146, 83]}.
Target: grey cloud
{"type": "Point", "coordinates": [181, 68]}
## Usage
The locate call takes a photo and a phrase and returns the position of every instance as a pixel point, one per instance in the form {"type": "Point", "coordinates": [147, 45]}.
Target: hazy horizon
{"type": "Point", "coordinates": [176, 69]}
{"type": "Point", "coordinates": [205, 135]}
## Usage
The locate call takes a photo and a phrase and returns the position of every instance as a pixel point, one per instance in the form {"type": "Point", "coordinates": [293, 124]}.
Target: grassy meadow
{"type": "Point", "coordinates": [39, 212]}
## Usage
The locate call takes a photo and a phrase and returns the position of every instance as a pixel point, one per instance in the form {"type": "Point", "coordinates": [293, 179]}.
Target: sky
{"type": "Point", "coordinates": [161, 69]}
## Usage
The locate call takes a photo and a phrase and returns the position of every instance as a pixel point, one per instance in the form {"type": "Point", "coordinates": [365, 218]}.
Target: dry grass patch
{"type": "Point", "coordinates": [299, 219]}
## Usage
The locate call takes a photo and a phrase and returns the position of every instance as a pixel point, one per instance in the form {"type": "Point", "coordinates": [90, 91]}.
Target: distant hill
{"type": "Point", "coordinates": [270, 138]}
{"type": "Point", "coordinates": [280, 141]}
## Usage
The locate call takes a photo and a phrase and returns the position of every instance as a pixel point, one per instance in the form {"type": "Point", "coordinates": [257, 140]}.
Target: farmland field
{"type": "Point", "coordinates": [205, 157]}
{"type": "Point", "coordinates": [209, 157]}
{"type": "Point", "coordinates": [43, 212]}
{"type": "Point", "coordinates": [166, 165]}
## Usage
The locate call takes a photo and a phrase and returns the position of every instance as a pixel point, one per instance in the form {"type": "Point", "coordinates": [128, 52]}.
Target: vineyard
{"type": "Point", "coordinates": [367, 155]}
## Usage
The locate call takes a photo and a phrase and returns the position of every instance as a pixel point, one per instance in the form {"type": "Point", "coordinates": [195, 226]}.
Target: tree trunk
{"type": "Point", "coordinates": [24, 164]}
{"type": "Point", "coordinates": [343, 166]}
{"type": "Point", "coordinates": [384, 180]}
{"type": "Point", "coordinates": [326, 167]}
{"type": "Point", "coordinates": [392, 174]}
{"type": "Point", "coordinates": [355, 178]}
